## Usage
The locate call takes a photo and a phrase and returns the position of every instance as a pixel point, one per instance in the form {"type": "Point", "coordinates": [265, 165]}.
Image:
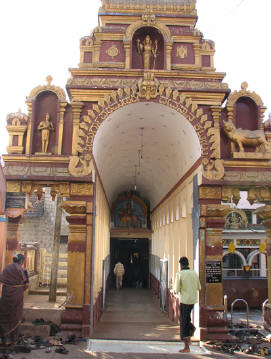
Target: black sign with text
{"type": "Point", "coordinates": [15, 200]}
{"type": "Point", "coordinates": [213, 272]}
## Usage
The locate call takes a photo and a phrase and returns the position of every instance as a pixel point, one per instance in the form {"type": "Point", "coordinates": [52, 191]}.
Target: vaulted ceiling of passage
{"type": "Point", "coordinates": [170, 147]}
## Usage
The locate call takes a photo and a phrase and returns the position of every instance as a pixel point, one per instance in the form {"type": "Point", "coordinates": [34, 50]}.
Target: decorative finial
{"type": "Point", "coordinates": [49, 80]}
{"type": "Point", "coordinates": [244, 86]}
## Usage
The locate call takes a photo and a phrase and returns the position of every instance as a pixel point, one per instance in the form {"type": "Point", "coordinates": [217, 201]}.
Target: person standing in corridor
{"type": "Point", "coordinates": [119, 272]}
{"type": "Point", "coordinates": [187, 285]}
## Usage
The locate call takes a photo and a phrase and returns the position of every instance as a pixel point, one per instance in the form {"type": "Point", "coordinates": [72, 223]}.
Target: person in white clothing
{"type": "Point", "coordinates": [119, 272]}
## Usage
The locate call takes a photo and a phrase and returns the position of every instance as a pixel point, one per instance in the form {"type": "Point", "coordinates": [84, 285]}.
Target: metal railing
{"type": "Point", "coordinates": [232, 305]}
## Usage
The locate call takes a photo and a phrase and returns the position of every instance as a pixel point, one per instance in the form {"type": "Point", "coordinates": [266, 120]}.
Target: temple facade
{"type": "Point", "coordinates": [149, 152]}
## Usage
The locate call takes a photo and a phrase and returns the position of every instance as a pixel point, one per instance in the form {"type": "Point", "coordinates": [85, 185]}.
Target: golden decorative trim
{"type": "Point", "coordinates": [208, 192]}
{"type": "Point", "coordinates": [60, 93]}
{"type": "Point", "coordinates": [13, 186]}
{"type": "Point", "coordinates": [148, 87]}
{"type": "Point", "coordinates": [36, 159]}
{"type": "Point", "coordinates": [80, 189]}
{"type": "Point", "coordinates": [186, 7]}
{"type": "Point", "coordinates": [244, 93]}
{"type": "Point", "coordinates": [261, 194]}
{"type": "Point", "coordinates": [244, 176]}
{"type": "Point", "coordinates": [74, 207]}
{"type": "Point", "coordinates": [80, 166]}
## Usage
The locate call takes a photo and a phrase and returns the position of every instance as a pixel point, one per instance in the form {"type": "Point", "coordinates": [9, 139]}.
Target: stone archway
{"type": "Point", "coordinates": [148, 89]}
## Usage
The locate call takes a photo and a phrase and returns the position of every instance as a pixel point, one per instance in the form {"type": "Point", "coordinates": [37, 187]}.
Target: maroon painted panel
{"type": "Point", "coordinates": [254, 291]}
{"type": "Point", "coordinates": [206, 61]}
{"type": "Point", "coordinates": [188, 59]}
{"type": "Point", "coordinates": [137, 60]}
{"type": "Point", "coordinates": [246, 114]}
{"type": "Point", "coordinates": [45, 102]}
{"type": "Point", "coordinates": [180, 30]}
{"type": "Point", "coordinates": [67, 132]}
{"type": "Point", "coordinates": [105, 57]}
{"type": "Point", "coordinates": [88, 57]}
{"type": "Point", "coordinates": [15, 140]}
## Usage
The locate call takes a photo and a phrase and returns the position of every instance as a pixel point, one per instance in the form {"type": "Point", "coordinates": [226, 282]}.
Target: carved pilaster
{"type": "Point", "coordinates": [76, 250]}
{"type": "Point", "coordinates": [230, 111]}
{"type": "Point", "coordinates": [29, 127]}
{"type": "Point", "coordinates": [60, 128]}
{"type": "Point", "coordinates": [211, 247]}
{"type": "Point", "coordinates": [196, 48]}
{"type": "Point", "coordinates": [127, 49]}
{"type": "Point", "coordinates": [216, 113]}
{"type": "Point", "coordinates": [76, 112]}
{"type": "Point", "coordinates": [96, 53]}
{"type": "Point", "coordinates": [262, 110]}
{"type": "Point", "coordinates": [169, 46]}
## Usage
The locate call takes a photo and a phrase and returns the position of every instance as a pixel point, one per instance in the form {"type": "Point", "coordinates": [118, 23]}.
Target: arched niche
{"type": "Point", "coordinates": [45, 102]}
{"type": "Point", "coordinates": [246, 113]}
{"type": "Point", "coordinates": [155, 34]}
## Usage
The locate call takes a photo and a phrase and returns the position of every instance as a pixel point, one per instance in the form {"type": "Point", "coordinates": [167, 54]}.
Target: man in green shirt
{"type": "Point", "coordinates": [187, 285]}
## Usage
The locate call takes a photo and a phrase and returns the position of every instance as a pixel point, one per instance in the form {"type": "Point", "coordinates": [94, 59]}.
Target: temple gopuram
{"type": "Point", "coordinates": [149, 151]}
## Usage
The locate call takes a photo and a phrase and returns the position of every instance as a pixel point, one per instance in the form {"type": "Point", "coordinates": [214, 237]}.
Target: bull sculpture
{"type": "Point", "coordinates": [241, 137]}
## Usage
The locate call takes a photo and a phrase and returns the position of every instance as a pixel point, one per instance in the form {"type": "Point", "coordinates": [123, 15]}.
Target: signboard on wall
{"type": "Point", "coordinates": [15, 200]}
{"type": "Point", "coordinates": [213, 272]}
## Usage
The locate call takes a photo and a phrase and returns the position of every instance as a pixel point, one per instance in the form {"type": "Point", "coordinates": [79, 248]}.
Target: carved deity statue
{"type": "Point", "coordinates": [45, 127]}
{"type": "Point", "coordinates": [148, 50]}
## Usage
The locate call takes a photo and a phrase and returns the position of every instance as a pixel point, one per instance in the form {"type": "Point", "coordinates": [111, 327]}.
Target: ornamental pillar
{"type": "Point", "coordinates": [127, 50]}
{"type": "Point", "coordinates": [76, 112]}
{"type": "Point", "coordinates": [196, 47]}
{"type": "Point", "coordinates": [60, 128]}
{"type": "Point", "coordinates": [79, 276]}
{"type": "Point", "coordinates": [168, 55]}
{"type": "Point", "coordinates": [212, 321]}
{"type": "Point", "coordinates": [216, 114]}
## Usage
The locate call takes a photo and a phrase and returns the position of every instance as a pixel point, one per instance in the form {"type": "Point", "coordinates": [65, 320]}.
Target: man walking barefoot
{"type": "Point", "coordinates": [187, 285]}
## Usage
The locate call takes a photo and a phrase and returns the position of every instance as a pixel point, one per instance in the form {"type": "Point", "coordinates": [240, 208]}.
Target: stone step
{"type": "Point", "coordinates": [61, 293]}
{"type": "Point", "coordinates": [53, 315]}
{"type": "Point", "coordinates": [30, 330]}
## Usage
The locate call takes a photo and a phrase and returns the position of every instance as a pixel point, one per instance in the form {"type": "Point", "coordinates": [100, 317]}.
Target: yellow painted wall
{"type": "Point", "coordinates": [102, 236]}
{"type": "Point", "coordinates": [172, 227]}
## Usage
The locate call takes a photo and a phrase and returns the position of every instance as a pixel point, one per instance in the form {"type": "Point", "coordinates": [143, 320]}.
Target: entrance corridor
{"type": "Point", "coordinates": [134, 314]}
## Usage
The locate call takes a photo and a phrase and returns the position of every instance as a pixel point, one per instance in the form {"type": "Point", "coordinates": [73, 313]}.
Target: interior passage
{"type": "Point", "coordinates": [134, 314]}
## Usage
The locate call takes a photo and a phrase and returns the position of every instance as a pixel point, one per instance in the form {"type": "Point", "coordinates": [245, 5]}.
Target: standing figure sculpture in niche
{"type": "Point", "coordinates": [148, 51]}
{"type": "Point", "coordinates": [45, 127]}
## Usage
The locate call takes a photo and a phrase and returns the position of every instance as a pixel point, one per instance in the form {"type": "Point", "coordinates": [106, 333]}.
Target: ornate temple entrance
{"type": "Point", "coordinates": [151, 144]}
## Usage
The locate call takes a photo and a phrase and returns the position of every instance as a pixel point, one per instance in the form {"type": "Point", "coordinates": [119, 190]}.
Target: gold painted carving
{"type": "Point", "coordinates": [240, 137]}
{"type": "Point", "coordinates": [217, 210]}
{"type": "Point", "coordinates": [80, 165]}
{"type": "Point", "coordinates": [82, 189]}
{"type": "Point", "coordinates": [138, 24]}
{"type": "Point", "coordinates": [181, 52]}
{"type": "Point", "coordinates": [13, 186]}
{"type": "Point", "coordinates": [261, 194]}
{"type": "Point", "coordinates": [16, 126]}
{"type": "Point", "coordinates": [49, 87]}
{"type": "Point", "coordinates": [230, 194]}
{"type": "Point", "coordinates": [113, 51]}
{"type": "Point", "coordinates": [208, 192]}
{"type": "Point", "coordinates": [244, 93]}
{"type": "Point", "coordinates": [236, 219]}
{"type": "Point", "coordinates": [161, 6]}
{"type": "Point", "coordinates": [213, 169]}
{"type": "Point", "coordinates": [117, 82]}
{"type": "Point", "coordinates": [148, 50]}
{"type": "Point", "coordinates": [148, 87]}
{"type": "Point", "coordinates": [240, 176]}
{"type": "Point", "coordinates": [74, 207]}
{"type": "Point", "coordinates": [45, 127]}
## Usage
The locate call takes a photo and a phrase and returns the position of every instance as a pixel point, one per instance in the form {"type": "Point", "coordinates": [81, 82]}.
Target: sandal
{"type": "Point", "coordinates": [61, 350]}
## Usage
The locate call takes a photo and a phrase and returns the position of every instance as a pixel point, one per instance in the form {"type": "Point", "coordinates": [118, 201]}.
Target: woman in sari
{"type": "Point", "coordinates": [12, 301]}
